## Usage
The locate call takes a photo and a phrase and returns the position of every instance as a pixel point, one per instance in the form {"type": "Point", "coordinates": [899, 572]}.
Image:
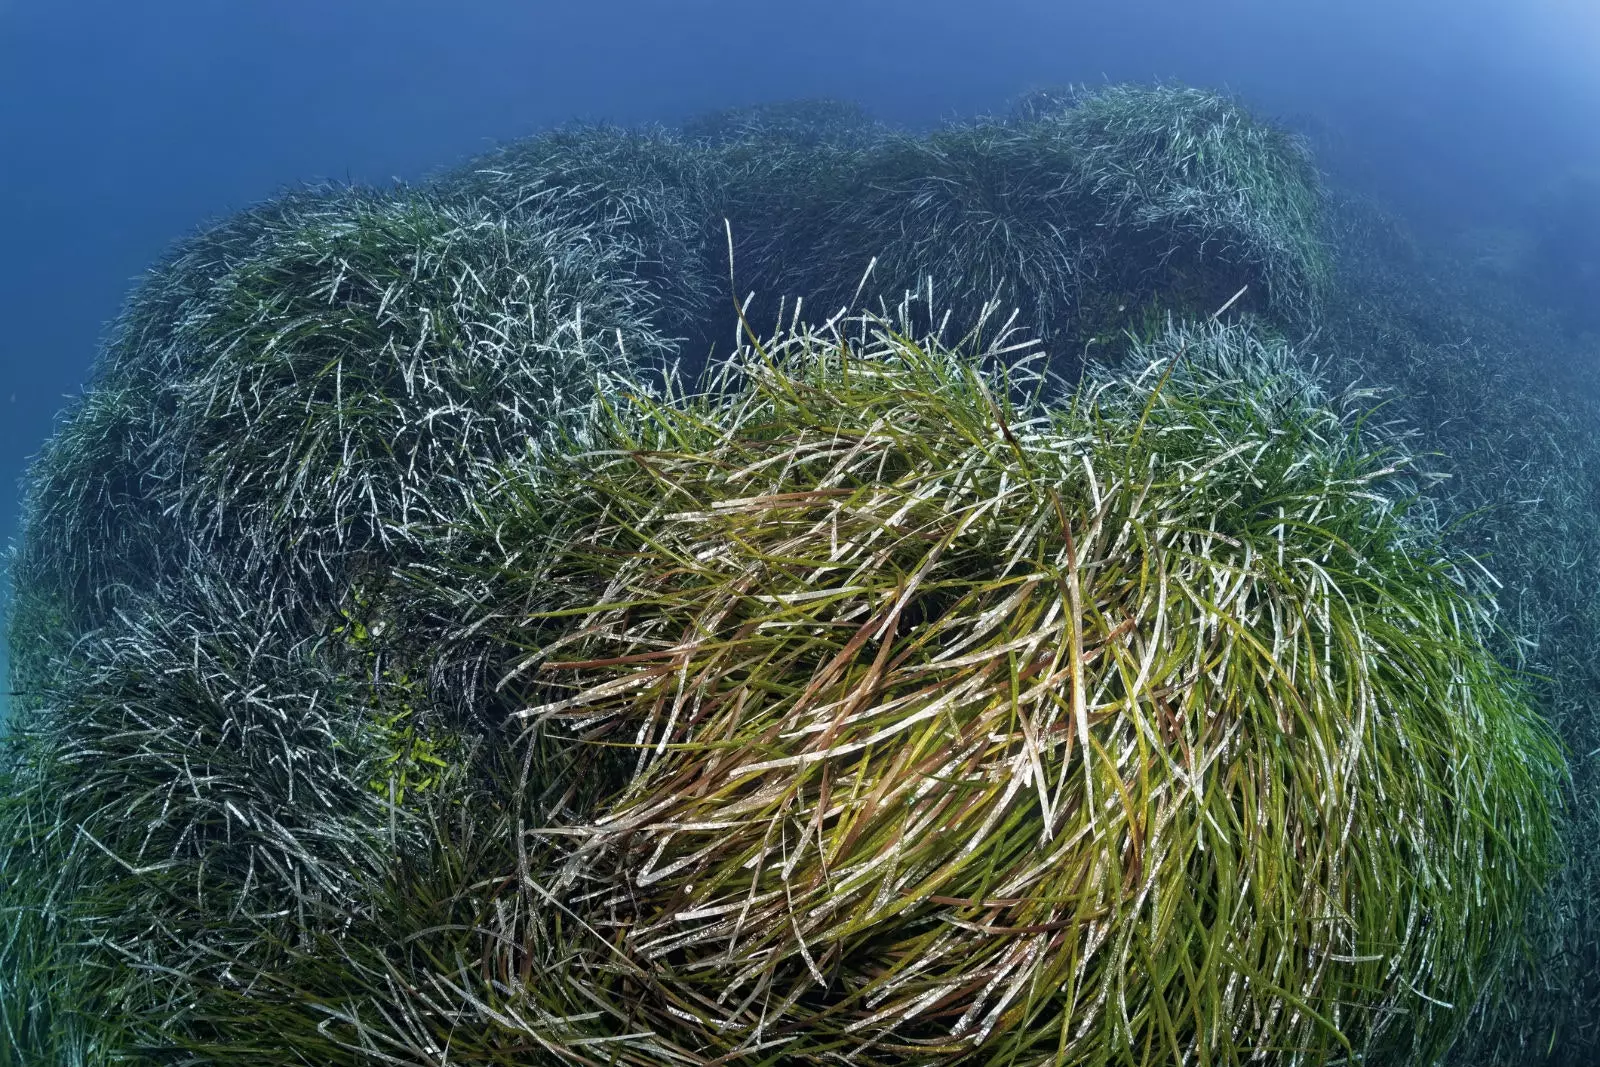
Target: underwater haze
{"type": "Point", "coordinates": [1357, 241]}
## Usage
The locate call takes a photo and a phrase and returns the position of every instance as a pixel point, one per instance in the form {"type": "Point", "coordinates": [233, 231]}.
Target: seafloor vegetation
{"type": "Point", "coordinates": [1065, 588]}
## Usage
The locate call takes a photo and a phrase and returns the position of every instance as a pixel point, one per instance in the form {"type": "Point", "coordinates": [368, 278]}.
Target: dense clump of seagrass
{"type": "Point", "coordinates": [1086, 737]}
{"type": "Point", "coordinates": [990, 212]}
{"type": "Point", "coordinates": [1078, 211]}
{"type": "Point", "coordinates": [647, 191]}
{"type": "Point", "coordinates": [198, 786]}
{"type": "Point", "coordinates": [1078, 215]}
{"type": "Point", "coordinates": [941, 724]}
{"type": "Point", "coordinates": [282, 401]}
{"type": "Point", "coordinates": [425, 684]}
{"type": "Point", "coordinates": [1511, 406]}
{"type": "Point", "coordinates": [1211, 186]}
{"type": "Point", "coordinates": [294, 389]}
{"type": "Point", "coordinates": [365, 369]}
{"type": "Point", "coordinates": [92, 485]}
{"type": "Point", "coordinates": [92, 535]}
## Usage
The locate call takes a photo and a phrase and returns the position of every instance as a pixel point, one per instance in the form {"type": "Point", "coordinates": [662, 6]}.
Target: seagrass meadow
{"type": "Point", "coordinates": [1067, 588]}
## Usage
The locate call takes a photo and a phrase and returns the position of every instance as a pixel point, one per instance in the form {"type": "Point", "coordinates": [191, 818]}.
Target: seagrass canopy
{"type": "Point", "coordinates": [1047, 667]}
{"type": "Point", "coordinates": [948, 725]}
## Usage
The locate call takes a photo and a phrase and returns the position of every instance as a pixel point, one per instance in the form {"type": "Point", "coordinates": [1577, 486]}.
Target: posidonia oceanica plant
{"type": "Point", "coordinates": [942, 722]}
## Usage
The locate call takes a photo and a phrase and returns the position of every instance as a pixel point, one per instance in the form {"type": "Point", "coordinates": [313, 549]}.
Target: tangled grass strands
{"type": "Point", "coordinates": [368, 369]}
{"type": "Point", "coordinates": [194, 790]}
{"type": "Point", "coordinates": [651, 192]}
{"type": "Point", "coordinates": [890, 786]}
{"type": "Point", "coordinates": [982, 212]}
{"type": "Point", "coordinates": [1195, 169]}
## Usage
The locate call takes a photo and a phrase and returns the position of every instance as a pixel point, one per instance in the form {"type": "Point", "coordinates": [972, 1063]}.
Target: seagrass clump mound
{"type": "Point", "coordinates": [148, 343]}
{"type": "Point", "coordinates": [952, 726]}
{"type": "Point", "coordinates": [979, 212]}
{"type": "Point", "coordinates": [293, 386]}
{"type": "Point", "coordinates": [780, 168]}
{"type": "Point", "coordinates": [1512, 405]}
{"type": "Point", "coordinates": [91, 536]}
{"type": "Point", "coordinates": [1080, 211]}
{"type": "Point", "coordinates": [1215, 197]}
{"type": "Point", "coordinates": [198, 792]}
{"type": "Point", "coordinates": [366, 368]}
{"type": "Point", "coordinates": [92, 486]}
{"type": "Point", "coordinates": [648, 190]}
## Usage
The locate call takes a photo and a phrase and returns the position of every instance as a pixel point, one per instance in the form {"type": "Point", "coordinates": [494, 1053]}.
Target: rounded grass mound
{"type": "Point", "coordinates": [649, 191]}
{"type": "Point", "coordinates": [93, 484]}
{"type": "Point", "coordinates": [149, 344]}
{"type": "Point", "coordinates": [91, 535]}
{"type": "Point", "coordinates": [978, 213]}
{"type": "Point", "coordinates": [953, 726]}
{"type": "Point", "coordinates": [1496, 389]}
{"type": "Point", "coordinates": [1195, 170]}
{"type": "Point", "coordinates": [294, 388]}
{"type": "Point", "coordinates": [191, 798]}
{"type": "Point", "coordinates": [1079, 211]}
{"type": "Point", "coordinates": [874, 706]}
{"type": "Point", "coordinates": [367, 367]}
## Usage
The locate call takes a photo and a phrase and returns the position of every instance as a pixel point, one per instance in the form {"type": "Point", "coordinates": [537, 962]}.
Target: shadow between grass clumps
{"type": "Point", "coordinates": [1073, 212]}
